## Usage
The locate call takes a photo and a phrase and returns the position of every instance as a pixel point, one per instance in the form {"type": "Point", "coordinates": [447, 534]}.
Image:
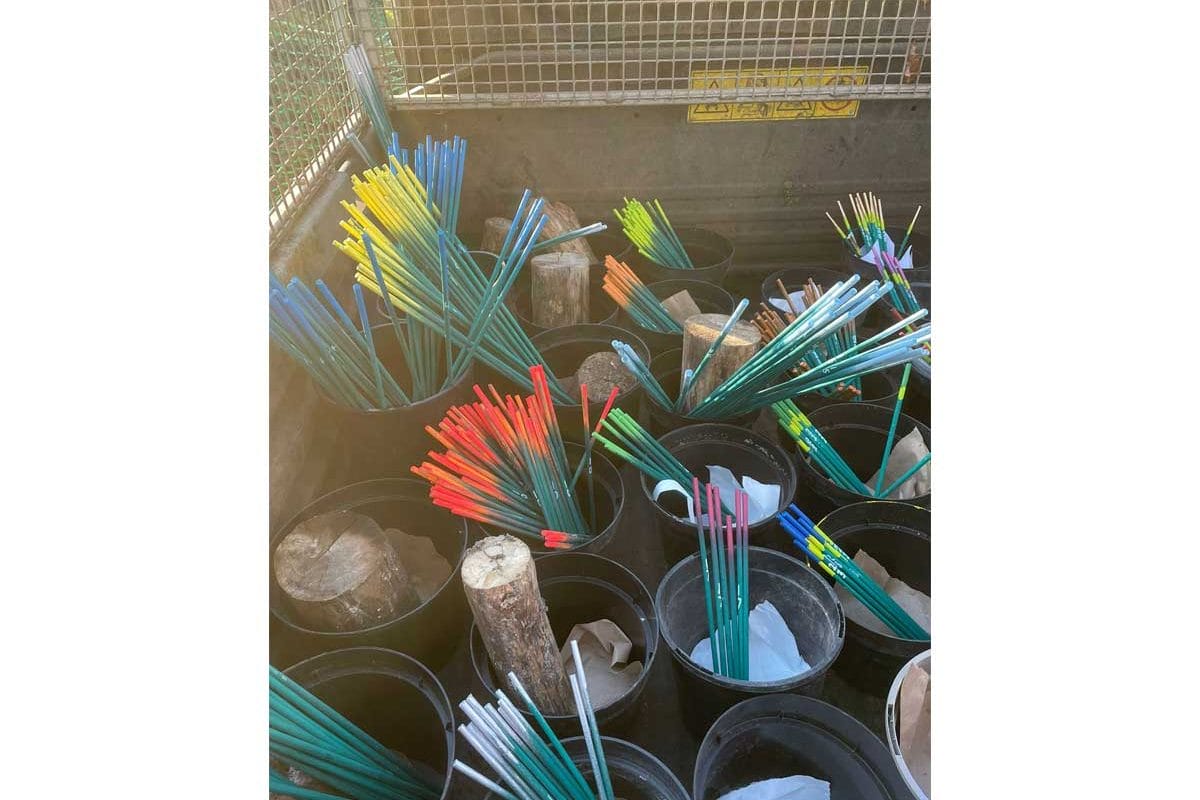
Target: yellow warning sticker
{"type": "Point", "coordinates": [729, 79]}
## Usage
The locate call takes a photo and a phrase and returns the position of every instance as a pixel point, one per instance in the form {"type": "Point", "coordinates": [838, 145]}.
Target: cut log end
{"type": "Point", "coordinates": [495, 561]}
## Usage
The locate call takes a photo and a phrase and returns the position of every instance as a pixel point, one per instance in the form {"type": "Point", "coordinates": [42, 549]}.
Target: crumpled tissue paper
{"type": "Point", "coordinates": [764, 497]}
{"type": "Point", "coordinates": [773, 652]}
{"type": "Point", "coordinates": [797, 787]}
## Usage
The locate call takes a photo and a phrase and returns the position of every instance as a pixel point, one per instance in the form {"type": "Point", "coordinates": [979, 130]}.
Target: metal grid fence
{"type": "Point", "coordinates": [771, 59]}
{"type": "Point", "coordinates": [312, 108]}
{"type": "Point", "coordinates": [486, 53]}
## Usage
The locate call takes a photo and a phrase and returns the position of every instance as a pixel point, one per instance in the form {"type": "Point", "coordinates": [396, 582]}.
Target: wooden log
{"type": "Point", "coordinates": [500, 582]}
{"type": "Point", "coordinates": [340, 573]}
{"type": "Point", "coordinates": [699, 333]}
{"type": "Point", "coordinates": [560, 219]}
{"type": "Point", "coordinates": [601, 372]}
{"type": "Point", "coordinates": [559, 290]}
{"type": "Point", "coordinates": [494, 231]}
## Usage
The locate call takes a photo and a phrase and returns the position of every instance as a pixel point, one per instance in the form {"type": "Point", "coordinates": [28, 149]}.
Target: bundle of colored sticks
{"type": "Point", "coordinates": [628, 440]}
{"type": "Point", "coordinates": [341, 357]}
{"type": "Point", "coordinates": [530, 762]}
{"type": "Point", "coordinates": [632, 443]}
{"type": "Point", "coordinates": [823, 455]}
{"type": "Point", "coordinates": [770, 324]}
{"type": "Point", "coordinates": [725, 568]}
{"type": "Point", "coordinates": [830, 558]}
{"type": "Point", "coordinates": [642, 306]}
{"type": "Point", "coordinates": [404, 240]}
{"type": "Point", "coordinates": [438, 166]}
{"type": "Point", "coordinates": [358, 67]}
{"type": "Point", "coordinates": [902, 297]}
{"type": "Point", "coordinates": [650, 231]}
{"type": "Point", "coordinates": [872, 231]}
{"type": "Point", "coordinates": [756, 383]}
{"type": "Point", "coordinates": [505, 464]}
{"type": "Point", "coordinates": [310, 736]}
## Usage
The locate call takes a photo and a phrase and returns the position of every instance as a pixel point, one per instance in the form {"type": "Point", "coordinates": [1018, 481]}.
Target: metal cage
{"type": "Point", "coordinates": [312, 109]}
{"type": "Point", "coordinates": [504, 52]}
{"type": "Point", "coordinates": [727, 61]}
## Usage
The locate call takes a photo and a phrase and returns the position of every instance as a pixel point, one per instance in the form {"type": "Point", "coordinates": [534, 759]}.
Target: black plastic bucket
{"type": "Point", "coordinates": [394, 698]}
{"type": "Point", "coordinates": [897, 536]}
{"type": "Point", "coordinates": [858, 432]}
{"type": "Point", "coordinates": [709, 297]}
{"type": "Point", "coordinates": [385, 443]}
{"type": "Point", "coordinates": [807, 603]}
{"type": "Point", "coordinates": [580, 588]}
{"type": "Point", "coordinates": [710, 252]}
{"type": "Point", "coordinates": [794, 280]}
{"type": "Point", "coordinates": [666, 367]}
{"type": "Point", "coordinates": [564, 349]}
{"type": "Point", "coordinates": [430, 632]}
{"type": "Point", "coordinates": [743, 452]}
{"type": "Point", "coordinates": [611, 242]}
{"type": "Point", "coordinates": [611, 508]}
{"type": "Point", "coordinates": [635, 773]}
{"type": "Point", "coordinates": [785, 734]}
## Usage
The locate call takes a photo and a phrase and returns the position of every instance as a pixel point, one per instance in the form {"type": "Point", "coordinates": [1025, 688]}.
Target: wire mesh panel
{"type": "Point", "coordinates": [312, 108]}
{"type": "Point", "coordinates": [504, 52]}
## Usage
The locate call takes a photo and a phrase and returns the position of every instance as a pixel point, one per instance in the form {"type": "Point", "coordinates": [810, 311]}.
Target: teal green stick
{"type": "Point", "coordinates": [887, 447]}
{"type": "Point", "coordinates": [281, 785]}
{"type": "Point", "coordinates": [907, 474]}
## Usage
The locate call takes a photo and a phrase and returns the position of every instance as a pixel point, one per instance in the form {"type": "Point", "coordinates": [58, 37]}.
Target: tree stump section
{"type": "Point", "coordinates": [699, 332]}
{"type": "Point", "coordinates": [561, 218]}
{"type": "Point", "coordinates": [494, 231]}
{"type": "Point", "coordinates": [500, 582]}
{"type": "Point", "coordinates": [340, 573]}
{"type": "Point", "coordinates": [601, 372]}
{"type": "Point", "coordinates": [559, 291]}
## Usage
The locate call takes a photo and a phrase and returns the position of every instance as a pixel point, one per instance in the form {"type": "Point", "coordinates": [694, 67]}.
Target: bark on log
{"type": "Point", "coordinates": [699, 333]}
{"type": "Point", "coordinates": [559, 290]}
{"type": "Point", "coordinates": [500, 582]}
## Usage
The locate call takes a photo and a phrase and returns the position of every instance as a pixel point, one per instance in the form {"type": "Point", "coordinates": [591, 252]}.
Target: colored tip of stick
{"type": "Point", "coordinates": [612, 396]}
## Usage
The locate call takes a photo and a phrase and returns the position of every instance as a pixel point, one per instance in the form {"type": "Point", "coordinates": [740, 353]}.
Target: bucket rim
{"type": "Point", "coordinates": [427, 685]}
{"type": "Point", "coordinates": [306, 512]}
{"type": "Point", "coordinates": [478, 655]}
{"type": "Point", "coordinates": [754, 687]}
{"type": "Point", "coordinates": [889, 724]}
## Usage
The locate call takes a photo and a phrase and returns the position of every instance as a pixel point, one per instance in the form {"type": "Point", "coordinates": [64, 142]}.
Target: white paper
{"type": "Point", "coordinates": [797, 299]}
{"type": "Point", "coordinates": [764, 497]}
{"type": "Point", "coordinates": [773, 652]}
{"type": "Point", "coordinates": [868, 253]}
{"type": "Point", "coordinates": [797, 787]}
{"type": "Point", "coordinates": [907, 451]}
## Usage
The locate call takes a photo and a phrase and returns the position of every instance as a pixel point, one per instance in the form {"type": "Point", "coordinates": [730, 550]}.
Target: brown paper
{"type": "Point", "coordinates": [907, 451]}
{"type": "Point", "coordinates": [681, 307]}
{"type": "Point", "coordinates": [915, 603]}
{"type": "Point", "coordinates": [604, 648]}
{"type": "Point", "coordinates": [427, 568]}
{"type": "Point", "coordinates": [913, 729]}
